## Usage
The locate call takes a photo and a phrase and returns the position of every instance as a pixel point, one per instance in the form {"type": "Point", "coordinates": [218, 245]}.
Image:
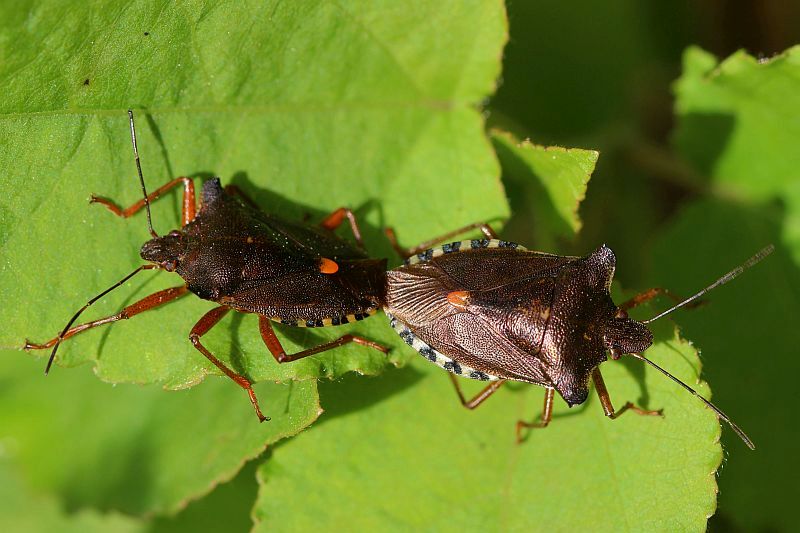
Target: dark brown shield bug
{"type": "Point", "coordinates": [493, 311]}
{"type": "Point", "coordinates": [246, 260]}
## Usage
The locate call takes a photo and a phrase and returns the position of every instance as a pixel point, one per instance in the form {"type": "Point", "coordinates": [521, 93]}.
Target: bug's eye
{"type": "Point", "coordinates": [170, 266]}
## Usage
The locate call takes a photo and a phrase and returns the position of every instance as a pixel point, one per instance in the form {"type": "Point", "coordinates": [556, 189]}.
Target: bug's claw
{"type": "Point", "coordinates": [28, 346]}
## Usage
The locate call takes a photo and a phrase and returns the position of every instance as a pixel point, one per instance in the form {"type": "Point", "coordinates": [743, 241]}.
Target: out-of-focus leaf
{"type": "Point", "coordinates": [545, 186]}
{"type": "Point", "coordinates": [416, 459]}
{"type": "Point", "coordinates": [23, 510]}
{"type": "Point", "coordinates": [739, 125]}
{"type": "Point", "coordinates": [308, 106]}
{"type": "Point", "coordinates": [227, 508]}
{"type": "Point", "coordinates": [138, 449]}
{"type": "Point", "coordinates": [738, 120]}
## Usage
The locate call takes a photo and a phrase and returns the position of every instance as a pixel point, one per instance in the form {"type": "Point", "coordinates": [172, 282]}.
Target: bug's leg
{"type": "Point", "coordinates": [405, 253]}
{"type": "Point", "coordinates": [234, 189]}
{"type": "Point", "coordinates": [276, 349]}
{"type": "Point", "coordinates": [335, 219]}
{"type": "Point", "coordinates": [208, 321]}
{"type": "Point", "coordinates": [188, 208]}
{"type": "Point", "coordinates": [547, 415]}
{"type": "Point", "coordinates": [648, 295]}
{"type": "Point", "coordinates": [145, 304]}
{"type": "Point", "coordinates": [479, 398]}
{"type": "Point", "coordinates": [608, 408]}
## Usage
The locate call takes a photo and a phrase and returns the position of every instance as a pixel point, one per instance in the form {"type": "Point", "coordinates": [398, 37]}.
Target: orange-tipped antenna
{"type": "Point", "coordinates": [141, 178]}
{"type": "Point", "coordinates": [721, 281]}
{"type": "Point", "coordinates": [82, 309]}
{"type": "Point", "coordinates": [734, 427]}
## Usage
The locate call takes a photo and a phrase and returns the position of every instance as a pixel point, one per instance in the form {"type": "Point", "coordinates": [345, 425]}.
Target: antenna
{"type": "Point", "coordinates": [734, 427]}
{"type": "Point", "coordinates": [141, 178]}
{"type": "Point", "coordinates": [721, 281]}
{"type": "Point", "coordinates": [82, 309]}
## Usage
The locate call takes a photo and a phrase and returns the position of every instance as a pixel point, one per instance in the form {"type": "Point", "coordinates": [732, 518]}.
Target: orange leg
{"type": "Point", "coordinates": [405, 253]}
{"type": "Point", "coordinates": [335, 219]}
{"type": "Point", "coordinates": [276, 349]}
{"type": "Point", "coordinates": [208, 321]}
{"type": "Point", "coordinates": [187, 212]}
{"type": "Point", "coordinates": [547, 415]}
{"type": "Point", "coordinates": [648, 295]}
{"type": "Point", "coordinates": [479, 398]}
{"type": "Point", "coordinates": [145, 304]}
{"type": "Point", "coordinates": [608, 408]}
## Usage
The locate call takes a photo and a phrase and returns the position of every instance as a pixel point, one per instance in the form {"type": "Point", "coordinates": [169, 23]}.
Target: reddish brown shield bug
{"type": "Point", "coordinates": [490, 310]}
{"type": "Point", "coordinates": [246, 260]}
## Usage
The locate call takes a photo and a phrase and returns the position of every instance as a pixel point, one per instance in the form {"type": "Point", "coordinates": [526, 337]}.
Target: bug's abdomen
{"type": "Point", "coordinates": [436, 357]}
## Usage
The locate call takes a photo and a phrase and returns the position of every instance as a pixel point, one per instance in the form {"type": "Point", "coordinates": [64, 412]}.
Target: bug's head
{"type": "Point", "coordinates": [619, 333]}
{"type": "Point", "coordinates": [625, 335]}
{"type": "Point", "coordinates": [165, 251]}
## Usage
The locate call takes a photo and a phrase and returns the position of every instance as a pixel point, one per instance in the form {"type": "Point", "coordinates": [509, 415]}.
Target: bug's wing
{"type": "Point", "coordinates": [313, 298]}
{"type": "Point", "coordinates": [487, 268]}
{"type": "Point", "coordinates": [498, 332]}
{"type": "Point", "coordinates": [469, 340]}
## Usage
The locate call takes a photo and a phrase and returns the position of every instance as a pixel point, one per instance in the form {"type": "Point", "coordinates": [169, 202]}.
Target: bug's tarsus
{"type": "Point", "coordinates": [141, 177]}
{"type": "Point", "coordinates": [734, 427]}
{"type": "Point", "coordinates": [608, 407]}
{"type": "Point", "coordinates": [764, 252]}
{"type": "Point", "coordinates": [479, 398]}
{"type": "Point", "coordinates": [544, 420]}
{"type": "Point", "coordinates": [145, 304]}
{"type": "Point", "coordinates": [206, 322]}
{"type": "Point", "coordinates": [82, 309]}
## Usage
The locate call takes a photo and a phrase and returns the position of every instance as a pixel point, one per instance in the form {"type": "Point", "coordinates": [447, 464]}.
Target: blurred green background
{"type": "Point", "coordinates": [683, 191]}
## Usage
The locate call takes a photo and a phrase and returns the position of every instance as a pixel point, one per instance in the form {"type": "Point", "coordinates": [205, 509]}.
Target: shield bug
{"type": "Point", "coordinates": [231, 253]}
{"type": "Point", "coordinates": [493, 311]}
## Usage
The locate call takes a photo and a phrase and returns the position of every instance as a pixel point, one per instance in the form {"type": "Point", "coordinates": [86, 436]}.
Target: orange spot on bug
{"type": "Point", "coordinates": [328, 266]}
{"type": "Point", "coordinates": [458, 298]}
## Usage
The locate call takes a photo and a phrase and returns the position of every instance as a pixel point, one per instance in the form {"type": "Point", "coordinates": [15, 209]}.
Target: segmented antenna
{"type": "Point", "coordinates": [141, 178]}
{"type": "Point", "coordinates": [82, 309]}
{"type": "Point", "coordinates": [734, 427]}
{"type": "Point", "coordinates": [721, 281]}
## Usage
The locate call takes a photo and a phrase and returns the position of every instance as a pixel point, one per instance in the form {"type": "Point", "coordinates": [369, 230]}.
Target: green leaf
{"type": "Point", "coordinates": [416, 459]}
{"type": "Point", "coordinates": [137, 449]}
{"type": "Point", "coordinates": [22, 510]}
{"type": "Point", "coordinates": [749, 348]}
{"type": "Point", "coordinates": [739, 125]}
{"type": "Point", "coordinates": [308, 106]}
{"type": "Point", "coordinates": [546, 184]}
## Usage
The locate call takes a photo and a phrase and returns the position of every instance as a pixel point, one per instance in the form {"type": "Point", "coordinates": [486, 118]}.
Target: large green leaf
{"type": "Point", "coordinates": [137, 449]}
{"type": "Point", "coordinates": [739, 125]}
{"type": "Point", "coordinates": [416, 459]}
{"type": "Point", "coordinates": [306, 105]}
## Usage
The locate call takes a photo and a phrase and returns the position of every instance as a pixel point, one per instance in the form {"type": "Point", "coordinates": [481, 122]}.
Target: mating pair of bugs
{"type": "Point", "coordinates": [485, 309]}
